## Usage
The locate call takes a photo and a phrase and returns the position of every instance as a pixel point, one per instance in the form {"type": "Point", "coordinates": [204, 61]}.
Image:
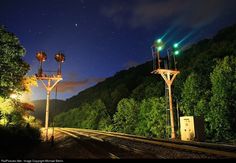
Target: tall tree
{"type": "Point", "coordinates": [12, 66]}
{"type": "Point", "coordinates": [222, 113]}
{"type": "Point", "coordinates": [191, 95]}
{"type": "Point", "coordinates": [152, 118]}
{"type": "Point", "coordinates": [125, 119]}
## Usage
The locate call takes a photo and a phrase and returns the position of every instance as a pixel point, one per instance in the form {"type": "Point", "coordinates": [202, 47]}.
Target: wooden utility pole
{"type": "Point", "coordinates": [49, 86]}
{"type": "Point", "coordinates": [169, 76]}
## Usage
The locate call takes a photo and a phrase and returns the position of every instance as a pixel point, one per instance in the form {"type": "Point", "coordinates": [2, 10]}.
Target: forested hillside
{"type": "Point", "coordinates": [56, 107]}
{"type": "Point", "coordinates": [121, 85]}
{"type": "Point", "coordinates": [133, 101]}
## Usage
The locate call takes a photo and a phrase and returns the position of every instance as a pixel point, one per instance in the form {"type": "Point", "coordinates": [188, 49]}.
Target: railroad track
{"type": "Point", "coordinates": [127, 142]}
{"type": "Point", "coordinates": [113, 151]}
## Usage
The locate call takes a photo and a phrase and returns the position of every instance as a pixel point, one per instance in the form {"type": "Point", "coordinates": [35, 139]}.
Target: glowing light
{"type": "Point", "coordinates": [23, 97]}
{"type": "Point", "coordinates": [159, 45]}
{"type": "Point", "coordinates": [14, 96]}
{"type": "Point", "coordinates": [160, 48]}
{"type": "Point", "coordinates": [159, 41]}
{"type": "Point", "coordinates": [176, 45]}
{"type": "Point", "coordinates": [176, 52]}
{"type": "Point", "coordinates": [176, 49]}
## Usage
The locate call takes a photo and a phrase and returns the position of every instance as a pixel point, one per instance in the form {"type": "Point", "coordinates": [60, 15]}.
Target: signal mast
{"type": "Point", "coordinates": [168, 73]}
{"type": "Point", "coordinates": [52, 80]}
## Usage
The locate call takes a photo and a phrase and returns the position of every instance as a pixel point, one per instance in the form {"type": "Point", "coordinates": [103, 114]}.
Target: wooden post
{"type": "Point", "coordinates": [49, 88]}
{"type": "Point", "coordinates": [169, 76]}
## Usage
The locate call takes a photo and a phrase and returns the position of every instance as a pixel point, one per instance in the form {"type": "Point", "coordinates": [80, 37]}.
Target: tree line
{"type": "Point", "coordinates": [148, 117]}
{"type": "Point", "coordinates": [133, 101]}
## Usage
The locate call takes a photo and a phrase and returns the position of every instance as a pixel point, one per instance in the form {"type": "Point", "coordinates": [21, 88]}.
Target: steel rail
{"type": "Point", "coordinates": [74, 134]}
{"type": "Point", "coordinates": [193, 147]}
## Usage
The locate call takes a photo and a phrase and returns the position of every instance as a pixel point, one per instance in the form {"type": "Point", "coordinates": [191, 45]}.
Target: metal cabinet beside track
{"type": "Point", "coordinates": [192, 128]}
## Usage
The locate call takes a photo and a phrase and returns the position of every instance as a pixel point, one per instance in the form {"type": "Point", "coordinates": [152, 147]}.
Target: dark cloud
{"type": "Point", "coordinates": [73, 86]}
{"type": "Point", "coordinates": [183, 13]}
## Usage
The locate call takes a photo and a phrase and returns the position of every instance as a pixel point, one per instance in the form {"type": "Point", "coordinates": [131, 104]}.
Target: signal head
{"type": "Point", "coordinates": [160, 48]}
{"type": "Point", "coordinates": [159, 45]}
{"type": "Point", "coordinates": [41, 56]}
{"type": "Point", "coordinates": [176, 45]}
{"type": "Point", "coordinates": [60, 57]}
{"type": "Point", "coordinates": [177, 52]}
{"type": "Point", "coordinates": [159, 41]}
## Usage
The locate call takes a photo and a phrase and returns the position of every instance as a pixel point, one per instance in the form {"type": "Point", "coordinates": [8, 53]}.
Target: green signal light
{"type": "Point", "coordinates": [176, 52]}
{"type": "Point", "coordinates": [176, 45]}
{"type": "Point", "coordinates": [159, 41]}
{"type": "Point", "coordinates": [159, 45]}
{"type": "Point", "coordinates": [160, 48]}
{"type": "Point", "coordinates": [176, 49]}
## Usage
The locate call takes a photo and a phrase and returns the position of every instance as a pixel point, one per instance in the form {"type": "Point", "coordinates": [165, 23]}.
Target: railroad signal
{"type": "Point", "coordinates": [167, 74]}
{"type": "Point", "coordinates": [159, 45]}
{"type": "Point", "coordinates": [176, 49]}
{"type": "Point", "coordinates": [52, 81]}
{"type": "Point", "coordinates": [60, 58]}
{"type": "Point", "coordinates": [41, 57]}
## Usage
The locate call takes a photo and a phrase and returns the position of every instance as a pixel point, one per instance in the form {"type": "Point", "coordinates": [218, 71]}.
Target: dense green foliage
{"type": "Point", "coordinates": [90, 116]}
{"type": "Point", "coordinates": [191, 96]}
{"type": "Point", "coordinates": [125, 119]}
{"type": "Point", "coordinates": [222, 113]}
{"type": "Point", "coordinates": [12, 67]}
{"type": "Point", "coordinates": [147, 117]}
{"type": "Point", "coordinates": [18, 130]}
{"type": "Point", "coordinates": [115, 88]}
{"type": "Point", "coordinates": [205, 86]}
{"type": "Point", "coordinates": [152, 118]}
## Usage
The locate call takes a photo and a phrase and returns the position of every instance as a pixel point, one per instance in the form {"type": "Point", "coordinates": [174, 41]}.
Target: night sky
{"type": "Point", "coordinates": [102, 37]}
